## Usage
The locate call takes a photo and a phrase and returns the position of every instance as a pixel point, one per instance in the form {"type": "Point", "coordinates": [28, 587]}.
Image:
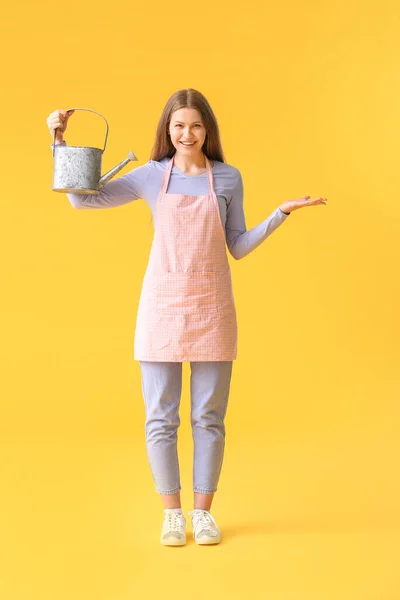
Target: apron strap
{"type": "Point", "coordinates": [167, 175]}
{"type": "Point", "coordinates": [210, 177]}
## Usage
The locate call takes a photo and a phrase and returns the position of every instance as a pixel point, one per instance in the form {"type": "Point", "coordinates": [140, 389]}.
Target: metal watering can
{"type": "Point", "coordinates": [77, 169]}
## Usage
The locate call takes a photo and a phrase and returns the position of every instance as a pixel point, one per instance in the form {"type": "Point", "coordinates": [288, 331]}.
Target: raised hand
{"type": "Point", "coordinates": [58, 120]}
{"type": "Point", "coordinates": [291, 205]}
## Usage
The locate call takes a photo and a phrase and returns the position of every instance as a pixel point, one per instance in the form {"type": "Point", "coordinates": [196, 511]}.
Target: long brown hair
{"type": "Point", "coordinates": [188, 98]}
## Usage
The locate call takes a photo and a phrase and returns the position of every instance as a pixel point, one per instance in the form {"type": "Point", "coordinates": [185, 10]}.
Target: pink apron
{"type": "Point", "coordinates": [186, 310]}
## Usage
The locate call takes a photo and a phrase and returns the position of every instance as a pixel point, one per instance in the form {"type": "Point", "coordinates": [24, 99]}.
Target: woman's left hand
{"type": "Point", "coordinates": [291, 205]}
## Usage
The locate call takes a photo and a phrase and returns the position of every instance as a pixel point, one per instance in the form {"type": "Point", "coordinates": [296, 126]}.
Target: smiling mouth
{"type": "Point", "coordinates": [187, 144]}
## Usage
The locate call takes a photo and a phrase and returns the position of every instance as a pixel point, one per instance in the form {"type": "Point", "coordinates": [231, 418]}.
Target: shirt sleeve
{"type": "Point", "coordinates": [115, 192]}
{"type": "Point", "coordinates": [241, 242]}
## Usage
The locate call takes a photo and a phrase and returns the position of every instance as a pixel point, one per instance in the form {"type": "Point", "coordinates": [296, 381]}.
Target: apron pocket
{"type": "Point", "coordinates": [187, 293]}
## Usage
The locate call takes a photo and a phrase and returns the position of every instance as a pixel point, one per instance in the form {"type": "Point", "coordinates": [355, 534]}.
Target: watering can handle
{"type": "Point", "coordinates": [93, 111]}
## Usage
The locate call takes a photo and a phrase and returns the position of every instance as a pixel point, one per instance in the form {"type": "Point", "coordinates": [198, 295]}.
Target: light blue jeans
{"type": "Point", "coordinates": [209, 392]}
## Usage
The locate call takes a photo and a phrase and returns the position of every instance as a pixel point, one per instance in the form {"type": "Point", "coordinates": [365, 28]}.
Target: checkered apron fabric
{"type": "Point", "coordinates": [186, 310]}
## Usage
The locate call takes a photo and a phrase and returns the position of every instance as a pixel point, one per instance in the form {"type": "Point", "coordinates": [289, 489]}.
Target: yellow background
{"type": "Point", "coordinates": [306, 95]}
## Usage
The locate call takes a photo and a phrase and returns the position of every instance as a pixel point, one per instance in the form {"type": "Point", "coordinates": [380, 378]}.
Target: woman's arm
{"type": "Point", "coordinates": [115, 192]}
{"type": "Point", "coordinates": [241, 242]}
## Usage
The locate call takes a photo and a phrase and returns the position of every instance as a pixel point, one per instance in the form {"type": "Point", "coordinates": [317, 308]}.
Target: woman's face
{"type": "Point", "coordinates": [186, 125]}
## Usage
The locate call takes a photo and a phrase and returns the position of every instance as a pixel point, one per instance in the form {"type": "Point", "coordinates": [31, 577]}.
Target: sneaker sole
{"type": "Point", "coordinates": [173, 542]}
{"type": "Point", "coordinates": [207, 540]}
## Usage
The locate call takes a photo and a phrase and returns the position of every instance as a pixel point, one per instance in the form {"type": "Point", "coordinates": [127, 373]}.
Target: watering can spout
{"type": "Point", "coordinates": [117, 168]}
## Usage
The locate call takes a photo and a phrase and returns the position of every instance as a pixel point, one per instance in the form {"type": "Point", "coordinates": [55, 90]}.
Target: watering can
{"type": "Point", "coordinates": [77, 169]}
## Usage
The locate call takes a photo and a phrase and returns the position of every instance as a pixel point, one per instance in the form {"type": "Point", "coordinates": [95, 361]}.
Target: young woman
{"type": "Point", "coordinates": [186, 311]}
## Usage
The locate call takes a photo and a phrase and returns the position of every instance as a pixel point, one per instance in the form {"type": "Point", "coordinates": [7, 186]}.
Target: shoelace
{"type": "Point", "coordinates": [175, 521]}
{"type": "Point", "coordinates": [202, 519]}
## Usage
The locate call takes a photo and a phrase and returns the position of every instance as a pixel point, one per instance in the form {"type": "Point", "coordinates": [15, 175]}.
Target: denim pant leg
{"type": "Point", "coordinates": [209, 390]}
{"type": "Point", "coordinates": [162, 387]}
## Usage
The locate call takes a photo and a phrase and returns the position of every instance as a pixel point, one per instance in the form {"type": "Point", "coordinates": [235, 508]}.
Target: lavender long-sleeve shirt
{"type": "Point", "coordinates": [145, 182]}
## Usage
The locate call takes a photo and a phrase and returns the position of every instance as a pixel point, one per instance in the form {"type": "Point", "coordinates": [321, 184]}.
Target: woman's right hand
{"type": "Point", "coordinates": [58, 120]}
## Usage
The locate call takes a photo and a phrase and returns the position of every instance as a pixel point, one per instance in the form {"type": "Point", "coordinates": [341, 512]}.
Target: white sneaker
{"type": "Point", "coordinates": [173, 528]}
{"type": "Point", "coordinates": [205, 529]}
